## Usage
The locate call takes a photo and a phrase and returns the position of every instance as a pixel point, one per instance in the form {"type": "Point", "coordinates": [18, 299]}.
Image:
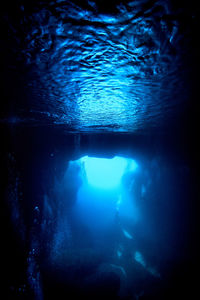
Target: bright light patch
{"type": "Point", "coordinates": [139, 258]}
{"type": "Point", "coordinates": [106, 173]}
{"type": "Point", "coordinates": [132, 165]}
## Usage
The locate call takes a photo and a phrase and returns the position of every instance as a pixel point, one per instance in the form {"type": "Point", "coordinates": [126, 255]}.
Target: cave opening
{"type": "Point", "coordinates": [104, 198]}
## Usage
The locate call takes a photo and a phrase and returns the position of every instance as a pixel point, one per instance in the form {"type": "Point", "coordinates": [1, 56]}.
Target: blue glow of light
{"type": "Point", "coordinates": [106, 173]}
{"type": "Point", "coordinates": [139, 258]}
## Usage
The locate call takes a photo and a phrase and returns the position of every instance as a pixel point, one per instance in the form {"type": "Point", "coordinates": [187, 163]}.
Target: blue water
{"type": "Point", "coordinates": [94, 66]}
{"type": "Point", "coordinates": [110, 171]}
{"type": "Point", "coordinates": [104, 221]}
{"type": "Point", "coordinates": [99, 153]}
{"type": "Point", "coordinates": [102, 197]}
{"type": "Point", "coordinates": [99, 225]}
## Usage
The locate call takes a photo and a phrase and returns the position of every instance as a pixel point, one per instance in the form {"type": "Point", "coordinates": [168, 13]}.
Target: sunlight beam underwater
{"type": "Point", "coordinates": [104, 173]}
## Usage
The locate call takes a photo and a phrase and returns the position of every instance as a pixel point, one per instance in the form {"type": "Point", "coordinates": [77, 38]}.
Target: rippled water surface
{"type": "Point", "coordinates": [103, 65]}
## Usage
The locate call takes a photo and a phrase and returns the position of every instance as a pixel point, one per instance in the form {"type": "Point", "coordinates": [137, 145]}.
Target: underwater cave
{"type": "Point", "coordinates": [99, 150]}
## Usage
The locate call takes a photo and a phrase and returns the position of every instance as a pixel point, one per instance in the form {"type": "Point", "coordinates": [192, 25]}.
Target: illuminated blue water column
{"type": "Point", "coordinates": [102, 196]}
{"type": "Point", "coordinates": [104, 173]}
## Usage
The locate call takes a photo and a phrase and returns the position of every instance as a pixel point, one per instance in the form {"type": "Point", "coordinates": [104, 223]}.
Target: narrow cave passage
{"type": "Point", "coordinates": [102, 223]}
